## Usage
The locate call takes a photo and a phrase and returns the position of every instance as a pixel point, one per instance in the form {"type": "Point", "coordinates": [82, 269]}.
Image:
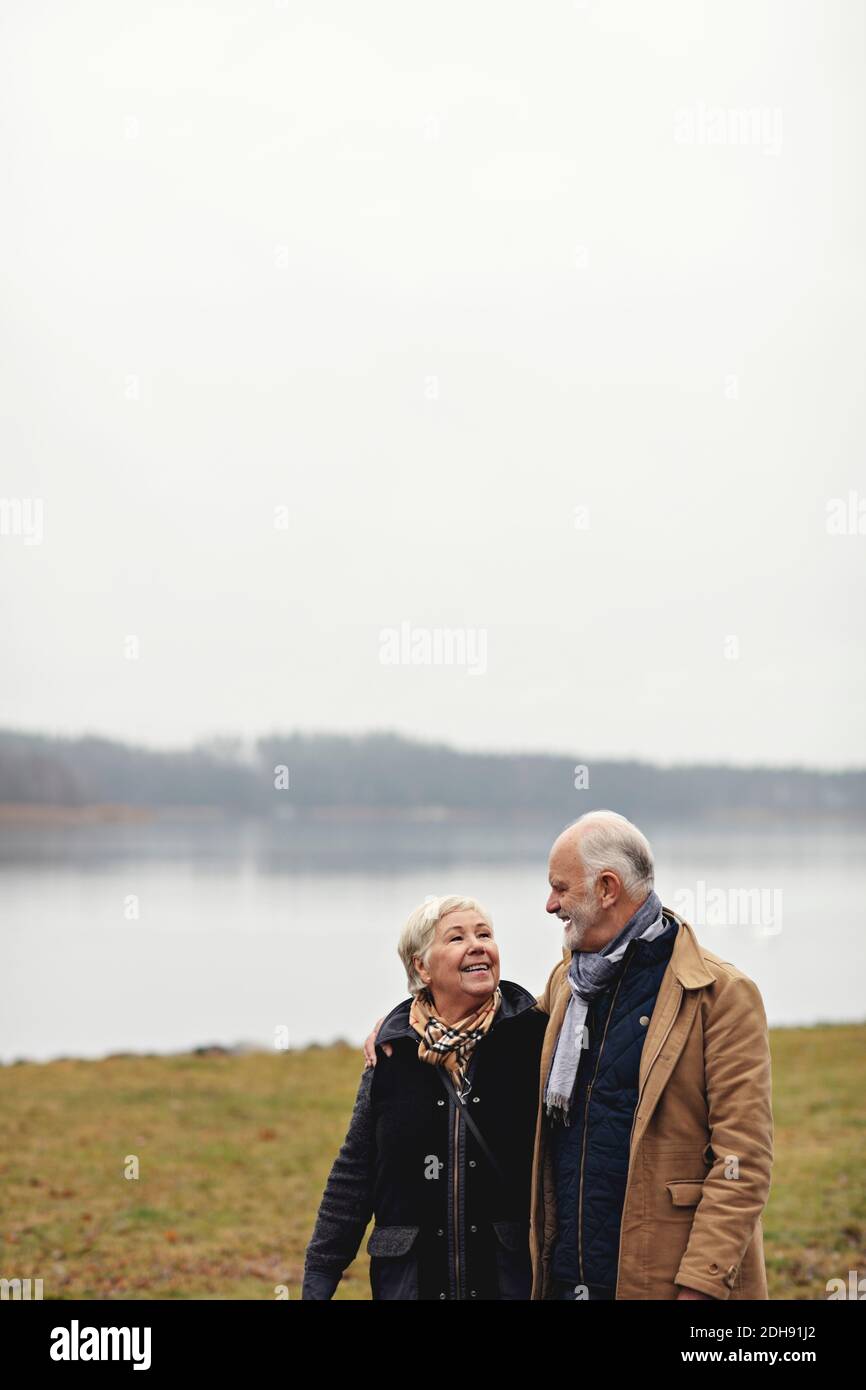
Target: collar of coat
{"type": "Point", "coordinates": [515, 1000]}
{"type": "Point", "coordinates": [688, 962]}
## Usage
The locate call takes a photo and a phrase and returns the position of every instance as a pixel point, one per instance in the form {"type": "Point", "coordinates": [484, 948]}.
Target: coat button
{"type": "Point", "coordinates": [473, 1229]}
{"type": "Point", "coordinates": [440, 1232]}
{"type": "Point", "coordinates": [714, 1269]}
{"type": "Point", "coordinates": [475, 1100]}
{"type": "Point", "coordinates": [472, 1163]}
{"type": "Point", "coordinates": [644, 1020]}
{"type": "Point", "coordinates": [441, 1295]}
{"type": "Point", "coordinates": [440, 1102]}
{"type": "Point", "coordinates": [472, 1293]}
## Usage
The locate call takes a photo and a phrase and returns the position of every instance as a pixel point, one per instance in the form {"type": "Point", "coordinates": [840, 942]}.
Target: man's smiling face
{"type": "Point", "coordinates": [573, 900]}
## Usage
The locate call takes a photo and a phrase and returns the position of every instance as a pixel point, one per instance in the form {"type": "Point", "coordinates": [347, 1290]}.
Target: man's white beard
{"type": "Point", "coordinates": [573, 936]}
{"type": "Point", "coordinates": [575, 931]}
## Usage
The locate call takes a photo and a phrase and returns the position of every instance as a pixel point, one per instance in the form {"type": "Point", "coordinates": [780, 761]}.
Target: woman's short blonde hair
{"type": "Point", "coordinates": [419, 932]}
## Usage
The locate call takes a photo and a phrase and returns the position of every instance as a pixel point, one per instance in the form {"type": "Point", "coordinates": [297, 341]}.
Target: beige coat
{"type": "Point", "coordinates": [702, 1139]}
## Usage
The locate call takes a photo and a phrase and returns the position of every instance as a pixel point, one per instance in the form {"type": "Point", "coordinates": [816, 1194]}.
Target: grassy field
{"type": "Point", "coordinates": [234, 1150]}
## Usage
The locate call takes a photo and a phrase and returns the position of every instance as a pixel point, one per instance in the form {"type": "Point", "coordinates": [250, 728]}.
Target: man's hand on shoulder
{"type": "Point", "coordinates": [370, 1045]}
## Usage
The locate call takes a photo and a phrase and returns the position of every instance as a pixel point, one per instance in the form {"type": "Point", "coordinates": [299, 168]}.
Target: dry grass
{"type": "Point", "coordinates": [234, 1152]}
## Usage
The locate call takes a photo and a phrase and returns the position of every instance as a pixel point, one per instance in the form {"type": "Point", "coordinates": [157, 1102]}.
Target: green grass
{"type": "Point", "coordinates": [815, 1223]}
{"type": "Point", "coordinates": [234, 1152]}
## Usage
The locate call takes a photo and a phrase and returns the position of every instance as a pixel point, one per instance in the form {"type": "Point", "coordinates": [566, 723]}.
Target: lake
{"type": "Point", "coordinates": [167, 935]}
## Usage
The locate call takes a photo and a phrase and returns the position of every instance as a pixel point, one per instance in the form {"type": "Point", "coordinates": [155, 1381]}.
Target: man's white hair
{"type": "Point", "coordinates": [606, 840]}
{"type": "Point", "coordinates": [419, 932]}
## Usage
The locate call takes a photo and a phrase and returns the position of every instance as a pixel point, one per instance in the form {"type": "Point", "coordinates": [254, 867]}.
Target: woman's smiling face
{"type": "Point", "coordinates": [462, 967]}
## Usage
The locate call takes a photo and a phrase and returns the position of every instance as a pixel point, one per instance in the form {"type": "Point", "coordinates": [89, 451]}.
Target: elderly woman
{"type": "Point", "coordinates": [439, 1148]}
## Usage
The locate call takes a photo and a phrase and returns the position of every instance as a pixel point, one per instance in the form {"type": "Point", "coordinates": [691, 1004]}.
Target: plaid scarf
{"type": "Point", "coordinates": [450, 1045]}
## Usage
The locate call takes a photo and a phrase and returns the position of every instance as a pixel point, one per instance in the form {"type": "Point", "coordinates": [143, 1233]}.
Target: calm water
{"type": "Point", "coordinates": [246, 928]}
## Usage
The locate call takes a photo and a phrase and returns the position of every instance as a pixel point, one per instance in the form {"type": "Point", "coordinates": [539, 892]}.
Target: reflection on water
{"type": "Point", "coordinates": [166, 935]}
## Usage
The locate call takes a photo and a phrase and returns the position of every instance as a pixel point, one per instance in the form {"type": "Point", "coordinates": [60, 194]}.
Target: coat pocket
{"type": "Point", "coordinates": [393, 1252]}
{"type": "Point", "coordinates": [513, 1264]}
{"type": "Point", "coordinates": [686, 1192]}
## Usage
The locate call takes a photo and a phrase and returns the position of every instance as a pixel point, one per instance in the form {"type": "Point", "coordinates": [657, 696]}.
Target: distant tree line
{"type": "Point", "coordinates": [383, 773]}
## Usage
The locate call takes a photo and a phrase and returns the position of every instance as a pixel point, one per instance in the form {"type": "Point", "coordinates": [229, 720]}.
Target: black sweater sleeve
{"type": "Point", "coordinates": [346, 1205]}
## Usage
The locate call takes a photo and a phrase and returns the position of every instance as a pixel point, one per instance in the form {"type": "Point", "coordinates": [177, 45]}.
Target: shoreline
{"type": "Point", "coordinates": [337, 1045]}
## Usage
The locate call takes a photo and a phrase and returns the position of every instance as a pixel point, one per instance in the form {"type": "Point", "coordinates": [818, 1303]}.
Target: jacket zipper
{"type": "Point", "coordinates": [586, 1125]}
{"type": "Point", "coordinates": [456, 1205]}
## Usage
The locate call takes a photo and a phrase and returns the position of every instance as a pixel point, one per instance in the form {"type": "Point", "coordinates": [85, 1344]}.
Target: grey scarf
{"type": "Point", "coordinates": [591, 972]}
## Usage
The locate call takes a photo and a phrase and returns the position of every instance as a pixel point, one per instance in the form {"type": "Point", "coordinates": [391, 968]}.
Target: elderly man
{"type": "Point", "coordinates": [653, 1144]}
{"type": "Point", "coordinates": [654, 1137]}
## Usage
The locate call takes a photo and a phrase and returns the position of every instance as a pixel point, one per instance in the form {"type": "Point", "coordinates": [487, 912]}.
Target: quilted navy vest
{"type": "Point", "coordinates": [591, 1154]}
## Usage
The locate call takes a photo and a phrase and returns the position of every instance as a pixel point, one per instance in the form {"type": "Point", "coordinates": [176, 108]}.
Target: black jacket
{"type": "Point", "coordinates": [447, 1225]}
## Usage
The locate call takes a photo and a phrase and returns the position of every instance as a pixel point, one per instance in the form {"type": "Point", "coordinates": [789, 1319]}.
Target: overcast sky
{"type": "Point", "coordinates": [540, 324]}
